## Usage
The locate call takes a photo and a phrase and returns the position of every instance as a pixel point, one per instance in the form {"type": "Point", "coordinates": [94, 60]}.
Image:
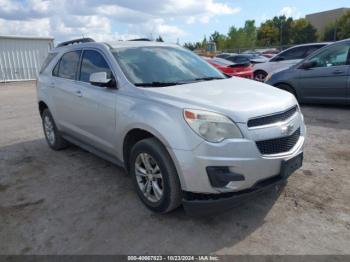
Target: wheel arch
{"type": "Point", "coordinates": [42, 106]}
{"type": "Point", "coordinates": [290, 86]}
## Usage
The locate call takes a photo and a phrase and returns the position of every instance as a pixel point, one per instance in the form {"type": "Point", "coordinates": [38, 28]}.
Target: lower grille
{"type": "Point", "coordinates": [278, 145]}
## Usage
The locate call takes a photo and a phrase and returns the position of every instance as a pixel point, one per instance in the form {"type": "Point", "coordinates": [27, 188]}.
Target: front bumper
{"type": "Point", "coordinates": [206, 204]}
{"type": "Point", "coordinates": [240, 156]}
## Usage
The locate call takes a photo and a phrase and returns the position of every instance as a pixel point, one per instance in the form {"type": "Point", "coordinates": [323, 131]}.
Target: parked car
{"type": "Point", "coordinates": [183, 131]}
{"type": "Point", "coordinates": [254, 58]}
{"type": "Point", "coordinates": [242, 69]}
{"type": "Point", "coordinates": [323, 77]}
{"type": "Point", "coordinates": [285, 59]}
{"type": "Point", "coordinates": [224, 55]}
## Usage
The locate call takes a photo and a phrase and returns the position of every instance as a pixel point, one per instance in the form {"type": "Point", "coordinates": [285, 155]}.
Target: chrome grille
{"type": "Point", "coordinates": [278, 145]}
{"type": "Point", "coordinates": [270, 119]}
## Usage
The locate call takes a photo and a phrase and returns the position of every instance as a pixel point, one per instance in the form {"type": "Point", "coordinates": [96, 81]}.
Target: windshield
{"type": "Point", "coordinates": [161, 66]}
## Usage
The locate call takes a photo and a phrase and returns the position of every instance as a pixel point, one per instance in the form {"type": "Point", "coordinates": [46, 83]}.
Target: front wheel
{"type": "Point", "coordinates": [154, 175]}
{"type": "Point", "coordinates": [260, 76]}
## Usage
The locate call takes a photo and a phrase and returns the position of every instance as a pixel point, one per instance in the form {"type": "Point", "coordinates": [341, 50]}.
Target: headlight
{"type": "Point", "coordinates": [211, 126]}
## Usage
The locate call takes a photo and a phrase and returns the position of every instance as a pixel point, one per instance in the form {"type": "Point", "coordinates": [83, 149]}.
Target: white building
{"type": "Point", "coordinates": [21, 56]}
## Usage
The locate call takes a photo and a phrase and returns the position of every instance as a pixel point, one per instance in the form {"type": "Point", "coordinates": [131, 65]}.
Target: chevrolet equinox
{"type": "Point", "coordinates": [186, 133]}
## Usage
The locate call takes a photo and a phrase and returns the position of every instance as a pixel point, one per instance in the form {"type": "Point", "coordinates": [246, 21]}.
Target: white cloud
{"type": "Point", "coordinates": [34, 26]}
{"type": "Point", "coordinates": [290, 11]}
{"type": "Point", "coordinates": [107, 19]}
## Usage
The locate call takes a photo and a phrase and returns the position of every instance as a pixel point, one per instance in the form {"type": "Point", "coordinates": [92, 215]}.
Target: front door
{"type": "Point", "coordinates": [97, 105]}
{"type": "Point", "coordinates": [327, 80]}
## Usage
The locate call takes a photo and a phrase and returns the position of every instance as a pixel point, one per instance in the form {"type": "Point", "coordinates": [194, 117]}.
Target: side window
{"type": "Point", "coordinates": [55, 69]}
{"type": "Point", "coordinates": [312, 49]}
{"type": "Point", "coordinates": [47, 61]}
{"type": "Point", "coordinates": [294, 53]}
{"type": "Point", "coordinates": [68, 65]}
{"type": "Point", "coordinates": [333, 56]}
{"type": "Point", "coordinates": [93, 62]}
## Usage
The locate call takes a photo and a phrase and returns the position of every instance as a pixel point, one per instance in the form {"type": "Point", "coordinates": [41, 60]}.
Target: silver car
{"type": "Point", "coordinates": [185, 132]}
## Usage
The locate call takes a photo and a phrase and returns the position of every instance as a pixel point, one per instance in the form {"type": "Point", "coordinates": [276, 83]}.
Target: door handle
{"type": "Point", "coordinates": [78, 93]}
{"type": "Point", "coordinates": [338, 72]}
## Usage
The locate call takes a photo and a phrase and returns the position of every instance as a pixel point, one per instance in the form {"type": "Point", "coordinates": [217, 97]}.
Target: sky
{"type": "Point", "coordinates": [174, 20]}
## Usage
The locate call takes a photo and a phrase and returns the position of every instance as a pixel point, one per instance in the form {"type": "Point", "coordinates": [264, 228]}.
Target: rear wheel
{"type": "Point", "coordinates": [154, 175]}
{"type": "Point", "coordinates": [260, 75]}
{"type": "Point", "coordinates": [52, 135]}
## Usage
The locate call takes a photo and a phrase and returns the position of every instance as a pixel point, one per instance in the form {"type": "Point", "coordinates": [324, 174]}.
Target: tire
{"type": "Point", "coordinates": [287, 88]}
{"type": "Point", "coordinates": [260, 75]}
{"type": "Point", "coordinates": [152, 169]}
{"type": "Point", "coordinates": [52, 135]}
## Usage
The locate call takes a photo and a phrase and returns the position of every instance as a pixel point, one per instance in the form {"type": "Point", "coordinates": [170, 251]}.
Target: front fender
{"type": "Point", "coordinates": [164, 121]}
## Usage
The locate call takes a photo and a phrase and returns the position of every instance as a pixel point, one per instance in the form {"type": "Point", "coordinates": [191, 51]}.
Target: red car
{"type": "Point", "coordinates": [244, 69]}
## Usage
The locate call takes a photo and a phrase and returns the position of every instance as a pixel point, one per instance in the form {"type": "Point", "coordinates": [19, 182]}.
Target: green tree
{"type": "Point", "coordinates": [303, 32]}
{"type": "Point", "coordinates": [284, 26]}
{"type": "Point", "coordinates": [192, 46]}
{"type": "Point", "coordinates": [250, 33]}
{"type": "Point", "coordinates": [330, 32]}
{"type": "Point", "coordinates": [219, 39]}
{"type": "Point", "coordinates": [244, 37]}
{"type": "Point", "coordinates": [343, 26]}
{"type": "Point", "coordinates": [268, 34]}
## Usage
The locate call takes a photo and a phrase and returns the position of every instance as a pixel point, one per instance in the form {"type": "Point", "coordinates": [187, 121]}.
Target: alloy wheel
{"type": "Point", "coordinates": [149, 177]}
{"type": "Point", "coordinates": [49, 130]}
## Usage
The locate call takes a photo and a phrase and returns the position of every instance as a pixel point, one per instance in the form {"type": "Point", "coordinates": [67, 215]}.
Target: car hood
{"type": "Point", "coordinates": [238, 98]}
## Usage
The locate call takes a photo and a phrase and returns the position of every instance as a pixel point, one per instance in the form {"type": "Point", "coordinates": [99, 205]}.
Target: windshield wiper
{"type": "Point", "coordinates": [208, 78]}
{"type": "Point", "coordinates": [158, 84]}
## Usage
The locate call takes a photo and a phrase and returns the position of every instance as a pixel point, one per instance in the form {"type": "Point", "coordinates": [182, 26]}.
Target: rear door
{"type": "Point", "coordinates": [97, 104]}
{"type": "Point", "coordinates": [327, 80]}
{"type": "Point", "coordinates": [66, 91]}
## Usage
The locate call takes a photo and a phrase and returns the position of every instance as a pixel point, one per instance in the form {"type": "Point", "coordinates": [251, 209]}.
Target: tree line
{"type": "Point", "coordinates": [278, 31]}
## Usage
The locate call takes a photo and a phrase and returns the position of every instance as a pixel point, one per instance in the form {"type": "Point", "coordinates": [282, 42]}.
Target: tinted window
{"type": "Point", "coordinates": [239, 59]}
{"type": "Point", "coordinates": [68, 65]}
{"type": "Point", "coordinates": [47, 61]}
{"type": "Point", "coordinates": [223, 55]}
{"type": "Point", "coordinates": [163, 64]}
{"type": "Point", "coordinates": [312, 49]}
{"type": "Point", "coordinates": [294, 53]}
{"type": "Point", "coordinates": [298, 52]}
{"type": "Point", "coordinates": [333, 56]}
{"type": "Point", "coordinates": [55, 70]}
{"type": "Point", "coordinates": [93, 62]}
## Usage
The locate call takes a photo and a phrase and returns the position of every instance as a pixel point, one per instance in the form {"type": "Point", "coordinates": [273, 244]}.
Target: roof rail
{"type": "Point", "coordinates": [140, 39]}
{"type": "Point", "coordinates": [76, 41]}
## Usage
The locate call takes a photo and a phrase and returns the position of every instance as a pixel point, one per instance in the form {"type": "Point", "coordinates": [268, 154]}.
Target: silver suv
{"type": "Point", "coordinates": [186, 133]}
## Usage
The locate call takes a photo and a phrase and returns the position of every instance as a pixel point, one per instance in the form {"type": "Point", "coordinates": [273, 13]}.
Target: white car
{"type": "Point", "coordinates": [285, 59]}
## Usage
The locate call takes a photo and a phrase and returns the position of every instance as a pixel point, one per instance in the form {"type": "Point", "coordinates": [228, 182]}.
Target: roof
{"type": "Point", "coordinates": [26, 37]}
{"type": "Point", "coordinates": [320, 43]}
{"type": "Point", "coordinates": [341, 9]}
{"type": "Point", "coordinates": [122, 44]}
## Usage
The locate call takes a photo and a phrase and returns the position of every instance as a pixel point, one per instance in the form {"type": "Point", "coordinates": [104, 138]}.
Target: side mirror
{"type": "Point", "coordinates": [100, 79]}
{"type": "Point", "coordinates": [307, 65]}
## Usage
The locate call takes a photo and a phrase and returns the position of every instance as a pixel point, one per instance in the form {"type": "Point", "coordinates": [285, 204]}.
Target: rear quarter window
{"type": "Point", "coordinates": [47, 61]}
